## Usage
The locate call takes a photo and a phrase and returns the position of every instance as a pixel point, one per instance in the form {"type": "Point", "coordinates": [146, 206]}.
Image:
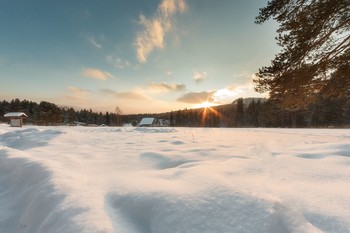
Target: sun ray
{"type": "Point", "coordinates": [207, 111]}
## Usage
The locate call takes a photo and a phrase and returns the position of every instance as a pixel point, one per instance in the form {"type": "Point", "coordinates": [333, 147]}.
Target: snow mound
{"type": "Point", "coordinates": [160, 161]}
{"type": "Point", "coordinates": [28, 138]}
{"type": "Point", "coordinates": [217, 211]}
{"type": "Point", "coordinates": [28, 198]}
{"type": "Point", "coordinates": [154, 130]}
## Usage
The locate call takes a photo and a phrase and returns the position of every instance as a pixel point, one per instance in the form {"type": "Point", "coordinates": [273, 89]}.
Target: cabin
{"type": "Point", "coordinates": [16, 118]}
{"type": "Point", "coordinates": [147, 122]}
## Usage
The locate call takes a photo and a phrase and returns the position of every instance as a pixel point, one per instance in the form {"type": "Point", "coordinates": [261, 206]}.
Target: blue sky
{"type": "Point", "coordinates": [142, 56]}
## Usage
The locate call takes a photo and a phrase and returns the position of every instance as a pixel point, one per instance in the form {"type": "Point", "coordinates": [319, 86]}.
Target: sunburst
{"type": "Point", "coordinates": [205, 104]}
{"type": "Point", "coordinates": [208, 108]}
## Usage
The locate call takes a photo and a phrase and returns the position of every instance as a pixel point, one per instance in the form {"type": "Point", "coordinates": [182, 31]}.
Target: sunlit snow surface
{"type": "Point", "coordinates": [81, 179]}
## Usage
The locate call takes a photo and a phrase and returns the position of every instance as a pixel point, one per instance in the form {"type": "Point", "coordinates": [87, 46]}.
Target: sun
{"type": "Point", "coordinates": [205, 104]}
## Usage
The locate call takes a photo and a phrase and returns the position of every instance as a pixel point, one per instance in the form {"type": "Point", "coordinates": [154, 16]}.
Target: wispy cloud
{"type": "Point", "coordinates": [94, 42]}
{"type": "Point", "coordinates": [169, 73]}
{"type": "Point", "coordinates": [221, 96]}
{"type": "Point", "coordinates": [77, 94]}
{"type": "Point", "coordinates": [96, 74]}
{"type": "Point", "coordinates": [108, 91]}
{"type": "Point", "coordinates": [197, 97]}
{"type": "Point", "coordinates": [118, 62]}
{"type": "Point", "coordinates": [156, 28]}
{"type": "Point", "coordinates": [169, 7]}
{"type": "Point", "coordinates": [230, 93]}
{"type": "Point", "coordinates": [167, 86]}
{"type": "Point", "coordinates": [131, 95]}
{"type": "Point", "coordinates": [199, 76]}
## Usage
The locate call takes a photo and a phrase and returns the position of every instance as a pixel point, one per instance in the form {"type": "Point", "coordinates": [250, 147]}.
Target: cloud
{"type": "Point", "coordinates": [152, 37]}
{"type": "Point", "coordinates": [169, 7]}
{"type": "Point", "coordinates": [94, 42]}
{"type": "Point", "coordinates": [221, 96]}
{"type": "Point", "coordinates": [227, 94]}
{"type": "Point", "coordinates": [96, 74]}
{"type": "Point", "coordinates": [118, 62]}
{"type": "Point", "coordinates": [232, 87]}
{"type": "Point", "coordinates": [199, 76]}
{"type": "Point", "coordinates": [155, 29]}
{"type": "Point", "coordinates": [108, 91]}
{"type": "Point", "coordinates": [197, 97]}
{"type": "Point", "coordinates": [169, 73]}
{"type": "Point", "coordinates": [77, 93]}
{"type": "Point", "coordinates": [167, 86]}
{"type": "Point", "coordinates": [131, 95]}
{"type": "Point", "coordinates": [230, 93]}
{"type": "Point", "coordinates": [77, 90]}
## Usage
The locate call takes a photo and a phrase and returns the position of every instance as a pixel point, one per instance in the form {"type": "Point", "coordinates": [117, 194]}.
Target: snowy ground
{"type": "Point", "coordinates": [80, 179]}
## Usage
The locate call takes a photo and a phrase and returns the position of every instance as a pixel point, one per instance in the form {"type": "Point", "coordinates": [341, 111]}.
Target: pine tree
{"type": "Point", "coordinates": [171, 119]}
{"type": "Point", "coordinates": [108, 119]}
{"type": "Point", "coordinates": [315, 40]}
{"type": "Point", "coordinates": [49, 113]}
{"type": "Point", "coordinates": [239, 116]}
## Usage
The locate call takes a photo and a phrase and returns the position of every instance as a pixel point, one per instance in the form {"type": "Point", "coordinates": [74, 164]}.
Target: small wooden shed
{"type": "Point", "coordinates": [16, 118]}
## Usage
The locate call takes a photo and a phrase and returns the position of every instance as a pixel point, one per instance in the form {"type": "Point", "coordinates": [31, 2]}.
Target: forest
{"type": "Point", "coordinates": [249, 112]}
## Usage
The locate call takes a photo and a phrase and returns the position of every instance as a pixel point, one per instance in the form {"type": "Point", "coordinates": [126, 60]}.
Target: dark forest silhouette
{"type": "Point", "coordinates": [249, 112]}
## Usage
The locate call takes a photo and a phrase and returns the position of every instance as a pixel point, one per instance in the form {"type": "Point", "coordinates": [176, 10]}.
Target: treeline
{"type": "Point", "coordinates": [258, 113]}
{"type": "Point", "coordinates": [325, 112]}
{"type": "Point", "coordinates": [46, 113]}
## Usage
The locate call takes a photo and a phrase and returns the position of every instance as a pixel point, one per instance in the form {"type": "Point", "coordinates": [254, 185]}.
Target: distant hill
{"type": "Point", "coordinates": [247, 101]}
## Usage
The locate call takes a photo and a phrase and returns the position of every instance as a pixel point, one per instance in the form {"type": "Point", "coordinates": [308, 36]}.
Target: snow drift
{"type": "Point", "coordinates": [80, 179]}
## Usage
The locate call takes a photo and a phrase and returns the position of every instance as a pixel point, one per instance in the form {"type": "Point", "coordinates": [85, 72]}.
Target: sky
{"type": "Point", "coordinates": [140, 56]}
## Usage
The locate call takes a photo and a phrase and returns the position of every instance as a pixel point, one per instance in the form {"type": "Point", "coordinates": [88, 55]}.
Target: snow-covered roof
{"type": "Point", "coordinates": [147, 121]}
{"type": "Point", "coordinates": [15, 114]}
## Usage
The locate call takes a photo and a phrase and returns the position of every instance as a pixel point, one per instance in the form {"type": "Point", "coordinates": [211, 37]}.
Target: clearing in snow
{"type": "Point", "coordinates": [142, 180]}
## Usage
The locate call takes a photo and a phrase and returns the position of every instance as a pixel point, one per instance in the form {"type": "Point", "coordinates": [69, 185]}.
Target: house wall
{"type": "Point", "coordinates": [16, 122]}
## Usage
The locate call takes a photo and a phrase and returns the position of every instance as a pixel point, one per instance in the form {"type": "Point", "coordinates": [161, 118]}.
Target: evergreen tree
{"type": "Point", "coordinates": [252, 114]}
{"type": "Point", "coordinates": [315, 40]}
{"type": "Point", "coordinates": [171, 119]}
{"type": "Point", "coordinates": [15, 105]}
{"type": "Point", "coordinates": [239, 116]}
{"type": "Point", "coordinates": [69, 115]}
{"type": "Point", "coordinates": [101, 119]}
{"type": "Point", "coordinates": [108, 119]}
{"type": "Point", "coordinates": [49, 113]}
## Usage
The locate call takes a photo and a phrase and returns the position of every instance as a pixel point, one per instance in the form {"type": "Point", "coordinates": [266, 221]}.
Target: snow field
{"type": "Point", "coordinates": [80, 179]}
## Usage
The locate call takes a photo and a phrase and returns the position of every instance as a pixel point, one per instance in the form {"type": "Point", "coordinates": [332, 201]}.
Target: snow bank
{"type": "Point", "coordinates": [28, 199]}
{"type": "Point", "coordinates": [80, 179]}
